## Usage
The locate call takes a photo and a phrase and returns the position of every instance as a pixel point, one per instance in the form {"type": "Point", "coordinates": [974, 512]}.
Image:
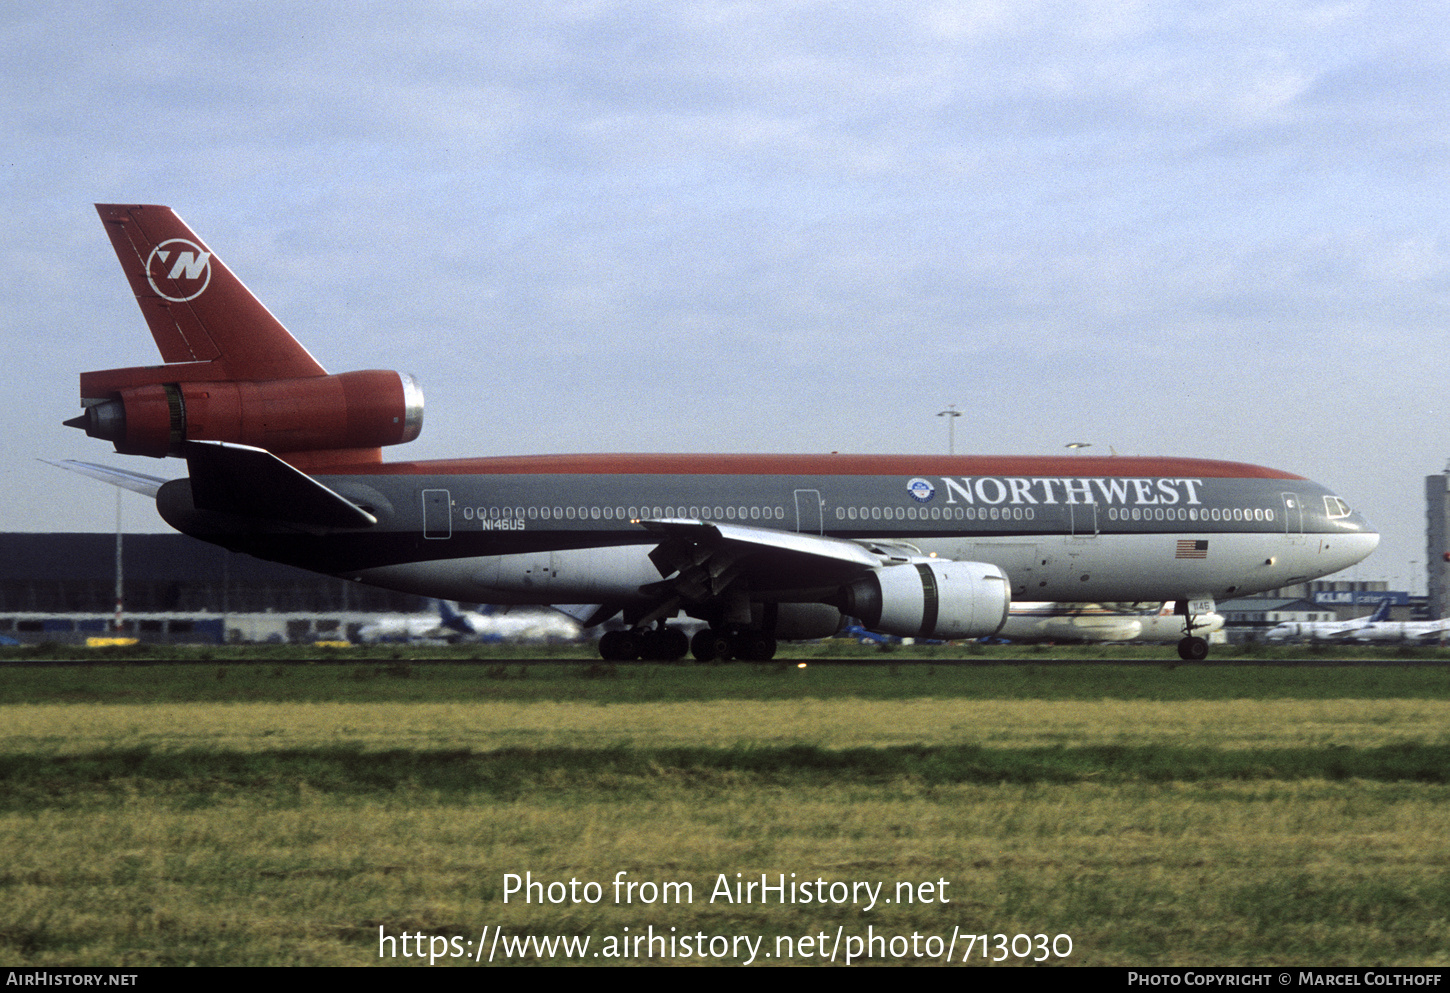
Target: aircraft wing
{"type": "Point", "coordinates": [702, 560]}
{"type": "Point", "coordinates": [136, 482]}
{"type": "Point", "coordinates": [711, 555]}
{"type": "Point", "coordinates": [1353, 629]}
{"type": "Point", "coordinates": [1435, 631]}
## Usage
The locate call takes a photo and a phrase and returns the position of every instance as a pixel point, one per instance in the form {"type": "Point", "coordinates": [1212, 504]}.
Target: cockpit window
{"type": "Point", "coordinates": [1336, 508]}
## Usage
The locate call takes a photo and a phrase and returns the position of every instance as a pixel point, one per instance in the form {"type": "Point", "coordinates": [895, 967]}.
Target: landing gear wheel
{"type": "Point", "coordinates": [1193, 649]}
{"type": "Point", "coordinates": [619, 646]}
{"type": "Point", "coordinates": [664, 645]}
{"type": "Point", "coordinates": [679, 644]}
{"type": "Point", "coordinates": [710, 645]}
{"type": "Point", "coordinates": [753, 646]}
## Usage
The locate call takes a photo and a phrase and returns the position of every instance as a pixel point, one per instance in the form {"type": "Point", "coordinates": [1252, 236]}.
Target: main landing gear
{"type": "Point", "coordinates": [714, 645]}
{"type": "Point", "coordinates": [667, 644]}
{"type": "Point", "coordinates": [652, 645]}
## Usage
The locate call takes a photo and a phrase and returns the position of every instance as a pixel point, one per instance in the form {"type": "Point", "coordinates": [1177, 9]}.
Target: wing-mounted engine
{"type": "Point", "coordinates": [797, 621]}
{"type": "Point", "coordinates": [930, 598]}
{"type": "Point", "coordinates": [354, 410]}
{"type": "Point", "coordinates": [802, 581]}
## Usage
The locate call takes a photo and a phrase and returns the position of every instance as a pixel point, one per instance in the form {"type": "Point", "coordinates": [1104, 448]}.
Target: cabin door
{"type": "Point", "coordinates": [437, 514]}
{"type": "Point", "coordinates": [808, 516]}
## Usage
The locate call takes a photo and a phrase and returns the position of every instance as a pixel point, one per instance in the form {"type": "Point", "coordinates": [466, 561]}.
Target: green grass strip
{"type": "Point", "coordinates": [61, 781]}
{"type": "Point", "coordinates": [237, 682]}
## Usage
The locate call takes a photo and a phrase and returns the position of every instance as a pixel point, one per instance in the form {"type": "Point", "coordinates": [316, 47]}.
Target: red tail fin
{"type": "Point", "coordinates": [196, 309]}
{"type": "Point", "coordinates": [233, 373]}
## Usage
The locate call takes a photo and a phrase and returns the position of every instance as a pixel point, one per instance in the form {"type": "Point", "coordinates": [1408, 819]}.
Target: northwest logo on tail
{"type": "Point", "coordinates": [183, 265]}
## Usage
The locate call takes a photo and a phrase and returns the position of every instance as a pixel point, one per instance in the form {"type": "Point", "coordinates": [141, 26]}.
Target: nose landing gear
{"type": "Point", "coordinates": [1192, 648]}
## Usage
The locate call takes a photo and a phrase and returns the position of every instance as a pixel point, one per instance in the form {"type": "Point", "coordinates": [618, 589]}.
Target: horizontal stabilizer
{"type": "Point", "coordinates": [136, 482]}
{"type": "Point", "coordinates": [252, 482]}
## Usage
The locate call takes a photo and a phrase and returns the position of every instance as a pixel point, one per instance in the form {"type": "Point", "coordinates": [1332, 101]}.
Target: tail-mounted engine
{"type": "Point", "coordinates": [932, 598]}
{"type": "Point", "coordinates": [353, 410]}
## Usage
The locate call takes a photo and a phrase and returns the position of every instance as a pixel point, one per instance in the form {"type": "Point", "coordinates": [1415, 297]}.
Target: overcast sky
{"type": "Point", "coordinates": [1209, 229]}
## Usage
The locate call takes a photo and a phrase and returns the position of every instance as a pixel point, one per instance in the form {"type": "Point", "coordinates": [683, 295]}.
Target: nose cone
{"type": "Point", "coordinates": [1349, 549]}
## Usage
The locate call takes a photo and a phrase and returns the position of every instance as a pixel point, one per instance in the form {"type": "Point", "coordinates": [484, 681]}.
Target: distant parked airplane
{"type": "Point", "coordinates": [1417, 632]}
{"type": "Point", "coordinates": [453, 625]}
{"type": "Point", "coordinates": [509, 624]}
{"type": "Point", "coordinates": [1064, 622]}
{"type": "Point", "coordinates": [1067, 622]}
{"type": "Point", "coordinates": [1330, 631]}
{"type": "Point", "coordinates": [403, 628]}
{"type": "Point", "coordinates": [1166, 625]}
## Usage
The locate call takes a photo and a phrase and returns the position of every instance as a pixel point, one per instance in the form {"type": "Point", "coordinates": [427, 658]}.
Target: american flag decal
{"type": "Point", "coordinates": [1188, 548]}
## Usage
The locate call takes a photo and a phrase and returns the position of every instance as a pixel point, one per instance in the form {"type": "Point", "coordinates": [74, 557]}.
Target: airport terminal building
{"type": "Point", "coordinates": [62, 587]}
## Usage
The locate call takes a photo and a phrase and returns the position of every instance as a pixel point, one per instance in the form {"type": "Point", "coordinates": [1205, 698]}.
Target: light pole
{"type": "Point", "coordinates": [951, 414]}
{"type": "Point", "coordinates": [120, 595]}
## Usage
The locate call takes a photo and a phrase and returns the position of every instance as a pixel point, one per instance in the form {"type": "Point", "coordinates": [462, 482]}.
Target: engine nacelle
{"type": "Point", "coordinates": [934, 598]}
{"type": "Point", "coordinates": [353, 410]}
{"type": "Point", "coordinates": [796, 621]}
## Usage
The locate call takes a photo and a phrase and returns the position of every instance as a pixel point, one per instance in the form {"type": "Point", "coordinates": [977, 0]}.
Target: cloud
{"type": "Point", "coordinates": [779, 226]}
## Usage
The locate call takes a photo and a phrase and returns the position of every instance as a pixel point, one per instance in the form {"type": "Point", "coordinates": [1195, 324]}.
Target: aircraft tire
{"type": "Point", "coordinates": [1193, 649]}
{"type": "Point", "coordinates": [710, 645]}
{"type": "Point", "coordinates": [753, 646]}
{"type": "Point", "coordinates": [667, 645]}
{"type": "Point", "coordinates": [651, 646]}
{"type": "Point", "coordinates": [619, 646]}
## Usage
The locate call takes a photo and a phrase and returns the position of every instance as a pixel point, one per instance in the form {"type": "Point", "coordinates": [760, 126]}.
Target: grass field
{"type": "Point", "coordinates": [225, 813]}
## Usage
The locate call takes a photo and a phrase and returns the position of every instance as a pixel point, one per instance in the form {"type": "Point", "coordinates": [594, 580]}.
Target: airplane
{"type": "Point", "coordinates": [1330, 631]}
{"type": "Point", "coordinates": [1419, 632]}
{"type": "Point", "coordinates": [1066, 622]}
{"type": "Point", "coordinates": [1163, 625]}
{"type": "Point", "coordinates": [449, 624]}
{"type": "Point", "coordinates": [284, 462]}
{"type": "Point", "coordinates": [403, 628]}
{"type": "Point", "coordinates": [508, 624]}
{"type": "Point", "coordinates": [1048, 621]}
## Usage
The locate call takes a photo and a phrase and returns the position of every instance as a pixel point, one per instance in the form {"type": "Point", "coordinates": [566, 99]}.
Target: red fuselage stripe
{"type": "Point", "coordinates": [824, 465]}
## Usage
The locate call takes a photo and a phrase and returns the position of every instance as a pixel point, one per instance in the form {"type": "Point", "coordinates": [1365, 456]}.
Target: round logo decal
{"type": "Point", "coordinates": [182, 267]}
{"type": "Point", "coordinates": [921, 491]}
